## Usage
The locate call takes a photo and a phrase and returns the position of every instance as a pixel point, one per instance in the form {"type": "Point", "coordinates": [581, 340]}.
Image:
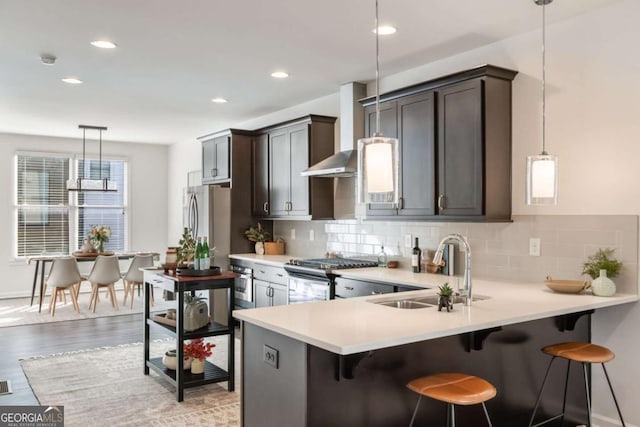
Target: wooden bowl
{"type": "Point", "coordinates": [567, 286]}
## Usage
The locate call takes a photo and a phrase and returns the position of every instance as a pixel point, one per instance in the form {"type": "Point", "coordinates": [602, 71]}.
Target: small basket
{"type": "Point", "coordinates": [274, 248]}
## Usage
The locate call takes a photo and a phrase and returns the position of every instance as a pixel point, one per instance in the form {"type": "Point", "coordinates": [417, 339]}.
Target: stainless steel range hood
{"type": "Point", "coordinates": [341, 165]}
{"type": "Point", "coordinates": [344, 164]}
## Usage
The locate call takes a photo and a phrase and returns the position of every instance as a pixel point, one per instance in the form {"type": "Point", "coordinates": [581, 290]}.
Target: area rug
{"type": "Point", "coordinates": [17, 311]}
{"type": "Point", "coordinates": [106, 387]}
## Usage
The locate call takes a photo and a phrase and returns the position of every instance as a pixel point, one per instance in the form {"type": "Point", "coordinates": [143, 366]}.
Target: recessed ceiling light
{"type": "Point", "coordinates": [72, 80]}
{"type": "Point", "coordinates": [104, 44]}
{"type": "Point", "coordinates": [385, 30]}
{"type": "Point", "coordinates": [279, 75]}
{"type": "Point", "coordinates": [219, 100]}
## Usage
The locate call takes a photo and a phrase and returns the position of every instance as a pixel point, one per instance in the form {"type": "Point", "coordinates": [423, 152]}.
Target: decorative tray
{"type": "Point", "coordinates": [213, 271]}
{"type": "Point", "coordinates": [79, 254]}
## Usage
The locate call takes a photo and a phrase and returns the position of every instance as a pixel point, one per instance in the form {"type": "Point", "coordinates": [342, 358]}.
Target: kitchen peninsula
{"type": "Point", "coordinates": [346, 362]}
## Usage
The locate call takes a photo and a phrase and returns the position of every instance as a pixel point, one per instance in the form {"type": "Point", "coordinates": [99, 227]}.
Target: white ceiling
{"type": "Point", "coordinates": [174, 56]}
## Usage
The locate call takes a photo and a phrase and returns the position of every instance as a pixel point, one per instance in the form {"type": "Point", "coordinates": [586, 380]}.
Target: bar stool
{"type": "Point", "coordinates": [454, 389]}
{"type": "Point", "coordinates": [584, 353]}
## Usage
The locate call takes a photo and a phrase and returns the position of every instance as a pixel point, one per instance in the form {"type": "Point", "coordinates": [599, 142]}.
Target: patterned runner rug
{"type": "Point", "coordinates": [106, 387]}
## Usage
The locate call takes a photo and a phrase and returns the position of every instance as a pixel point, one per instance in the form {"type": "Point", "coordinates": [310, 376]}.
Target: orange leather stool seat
{"type": "Point", "coordinates": [454, 389]}
{"type": "Point", "coordinates": [584, 353]}
{"type": "Point", "coordinates": [580, 352]}
{"type": "Point", "coordinates": [459, 389]}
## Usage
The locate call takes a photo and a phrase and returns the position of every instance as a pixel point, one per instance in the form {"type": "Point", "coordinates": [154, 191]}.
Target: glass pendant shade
{"type": "Point", "coordinates": [85, 184]}
{"type": "Point", "coordinates": [542, 179]}
{"type": "Point", "coordinates": [378, 166]}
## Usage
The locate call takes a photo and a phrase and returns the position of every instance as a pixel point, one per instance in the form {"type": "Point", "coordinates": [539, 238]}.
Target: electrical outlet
{"type": "Point", "coordinates": [408, 241]}
{"type": "Point", "coordinates": [534, 246]}
{"type": "Point", "coordinates": [293, 234]}
{"type": "Point", "coordinates": [270, 356]}
{"type": "Point", "coordinates": [312, 235]}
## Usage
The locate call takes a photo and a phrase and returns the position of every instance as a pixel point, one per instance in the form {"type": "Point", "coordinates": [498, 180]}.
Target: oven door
{"type": "Point", "coordinates": [307, 289]}
{"type": "Point", "coordinates": [243, 287]}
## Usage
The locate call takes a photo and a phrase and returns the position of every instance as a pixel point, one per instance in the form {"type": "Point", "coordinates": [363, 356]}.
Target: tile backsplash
{"type": "Point", "coordinates": [499, 250]}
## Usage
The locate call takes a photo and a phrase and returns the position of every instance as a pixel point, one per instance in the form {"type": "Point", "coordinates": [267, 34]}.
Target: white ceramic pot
{"type": "Point", "coordinates": [170, 361]}
{"type": "Point", "coordinates": [259, 248]}
{"type": "Point", "coordinates": [603, 286]}
{"type": "Point", "coordinates": [197, 366]}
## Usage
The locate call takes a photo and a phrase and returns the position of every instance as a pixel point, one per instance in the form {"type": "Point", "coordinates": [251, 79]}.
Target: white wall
{"type": "Point", "coordinates": [147, 199]}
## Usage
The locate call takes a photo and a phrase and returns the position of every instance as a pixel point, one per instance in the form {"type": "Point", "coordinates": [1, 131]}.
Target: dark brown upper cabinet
{"type": "Point", "coordinates": [219, 151]}
{"type": "Point", "coordinates": [455, 145]}
{"type": "Point", "coordinates": [280, 153]}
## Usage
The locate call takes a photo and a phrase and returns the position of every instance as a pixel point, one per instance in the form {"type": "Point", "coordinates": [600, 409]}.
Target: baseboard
{"type": "Point", "coordinates": [602, 421]}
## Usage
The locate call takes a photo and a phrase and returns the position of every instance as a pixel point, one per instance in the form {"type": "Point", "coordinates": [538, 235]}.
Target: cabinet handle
{"type": "Point", "coordinates": [262, 271]}
{"type": "Point", "coordinates": [441, 202]}
{"type": "Point", "coordinates": [376, 293]}
{"type": "Point", "coordinates": [349, 288]}
{"type": "Point", "coordinates": [214, 172]}
{"type": "Point", "coordinates": [265, 207]}
{"type": "Point", "coordinates": [279, 274]}
{"type": "Point", "coordinates": [401, 203]}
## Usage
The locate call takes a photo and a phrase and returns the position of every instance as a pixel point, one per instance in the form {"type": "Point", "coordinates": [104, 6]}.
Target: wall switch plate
{"type": "Point", "coordinates": [408, 241]}
{"type": "Point", "coordinates": [534, 246]}
{"type": "Point", "coordinates": [270, 356]}
{"type": "Point", "coordinates": [293, 234]}
{"type": "Point", "coordinates": [312, 235]}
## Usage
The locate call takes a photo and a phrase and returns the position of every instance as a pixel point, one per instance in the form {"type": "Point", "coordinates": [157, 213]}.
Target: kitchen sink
{"type": "Point", "coordinates": [422, 302]}
{"type": "Point", "coordinates": [455, 299]}
{"type": "Point", "coordinates": [403, 303]}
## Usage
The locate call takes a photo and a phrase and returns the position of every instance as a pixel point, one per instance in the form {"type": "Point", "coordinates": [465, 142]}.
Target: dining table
{"type": "Point", "coordinates": [42, 260]}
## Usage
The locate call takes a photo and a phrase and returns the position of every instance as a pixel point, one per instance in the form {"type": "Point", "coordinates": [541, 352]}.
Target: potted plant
{"type": "Point", "coordinates": [602, 266]}
{"type": "Point", "coordinates": [197, 350]}
{"type": "Point", "coordinates": [444, 297]}
{"type": "Point", "coordinates": [187, 247]}
{"type": "Point", "coordinates": [258, 235]}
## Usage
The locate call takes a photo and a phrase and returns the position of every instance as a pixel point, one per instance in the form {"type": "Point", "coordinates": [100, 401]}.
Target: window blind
{"type": "Point", "coordinates": [42, 205]}
{"type": "Point", "coordinates": [50, 220]}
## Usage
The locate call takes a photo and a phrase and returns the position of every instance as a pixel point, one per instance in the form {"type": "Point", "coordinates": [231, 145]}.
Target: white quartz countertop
{"type": "Point", "coordinates": [276, 260]}
{"type": "Point", "coordinates": [348, 326]}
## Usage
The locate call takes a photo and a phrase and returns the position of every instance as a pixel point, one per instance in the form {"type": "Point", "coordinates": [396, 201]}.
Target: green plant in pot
{"type": "Point", "coordinates": [602, 266]}
{"type": "Point", "coordinates": [445, 292]}
{"type": "Point", "coordinates": [258, 235]}
{"type": "Point", "coordinates": [187, 247]}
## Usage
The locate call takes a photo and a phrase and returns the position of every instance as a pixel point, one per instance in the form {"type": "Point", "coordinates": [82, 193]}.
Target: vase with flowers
{"type": "Point", "coordinates": [197, 350]}
{"type": "Point", "coordinates": [99, 235]}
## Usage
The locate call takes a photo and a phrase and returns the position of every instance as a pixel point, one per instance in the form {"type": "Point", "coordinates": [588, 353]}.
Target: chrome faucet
{"type": "Point", "coordinates": [437, 259]}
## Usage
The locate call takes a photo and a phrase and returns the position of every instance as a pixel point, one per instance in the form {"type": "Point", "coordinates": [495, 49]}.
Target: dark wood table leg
{"type": "Point", "coordinates": [232, 341]}
{"type": "Point", "coordinates": [35, 280]}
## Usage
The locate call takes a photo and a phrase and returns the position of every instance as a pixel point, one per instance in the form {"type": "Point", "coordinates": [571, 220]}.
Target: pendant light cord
{"type": "Point", "coordinates": [544, 79]}
{"type": "Point", "coordinates": [100, 155]}
{"type": "Point", "coordinates": [377, 74]}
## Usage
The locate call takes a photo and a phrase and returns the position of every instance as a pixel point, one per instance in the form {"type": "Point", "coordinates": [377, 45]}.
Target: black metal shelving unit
{"type": "Point", "coordinates": [180, 378]}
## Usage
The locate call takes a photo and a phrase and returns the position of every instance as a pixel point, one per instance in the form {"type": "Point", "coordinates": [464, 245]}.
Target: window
{"type": "Point", "coordinates": [51, 220]}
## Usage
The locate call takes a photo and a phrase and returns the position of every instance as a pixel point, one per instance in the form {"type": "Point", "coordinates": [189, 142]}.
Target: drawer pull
{"type": "Point", "coordinates": [265, 207]}
{"type": "Point", "coordinates": [349, 288]}
{"type": "Point", "coordinates": [376, 293]}
{"type": "Point", "coordinates": [279, 274]}
{"type": "Point", "coordinates": [441, 202]}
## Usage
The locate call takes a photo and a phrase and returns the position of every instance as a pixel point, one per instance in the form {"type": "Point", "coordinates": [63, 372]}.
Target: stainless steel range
{"type": "Point", "coordinates": [313, 279]}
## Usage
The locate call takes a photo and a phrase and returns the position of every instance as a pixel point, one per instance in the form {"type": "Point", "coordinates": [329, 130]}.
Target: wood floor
{"type": "Point", "coordinates": [49, 338]}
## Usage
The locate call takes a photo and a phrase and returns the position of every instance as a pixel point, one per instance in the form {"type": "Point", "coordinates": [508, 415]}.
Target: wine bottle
{"type": "Point", "coordinates": [197, 255]}
{"type": "Point", "coordinates": [415, 257]}
{"type": "Point", "coordinates": [206, 259]}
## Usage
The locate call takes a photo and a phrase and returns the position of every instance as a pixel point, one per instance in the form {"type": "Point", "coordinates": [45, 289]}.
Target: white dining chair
{"type": "Point", "coordinates": [64, 275]}
{"type": "Point", "coordinates": [133, 278]}
{"type": "Point", "coordinates": [104, 274]}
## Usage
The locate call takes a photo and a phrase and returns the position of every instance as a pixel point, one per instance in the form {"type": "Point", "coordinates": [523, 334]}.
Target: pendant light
{"type": "Point", "coordinates": [542, 170]}
{"type": "Point", "coordinates": [378, 156]}
{"type": "Point", "coordinates": [87, 184]}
